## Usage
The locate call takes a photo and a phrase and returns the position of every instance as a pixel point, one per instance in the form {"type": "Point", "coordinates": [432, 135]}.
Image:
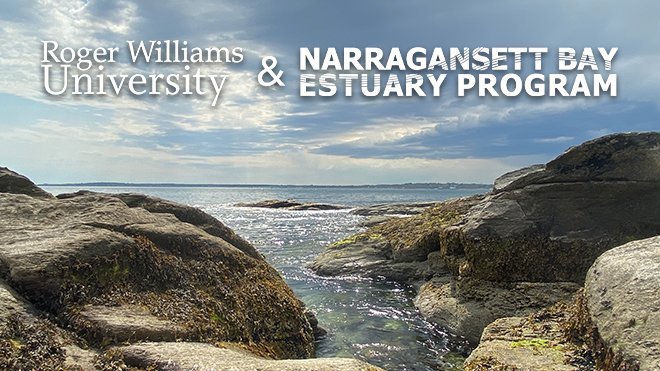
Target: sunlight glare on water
{"type": "Point", "coordinates": [373, 320]}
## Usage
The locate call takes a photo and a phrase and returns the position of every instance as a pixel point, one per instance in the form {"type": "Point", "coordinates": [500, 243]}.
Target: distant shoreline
{"type": "Point", "coordinates": [365, 186]}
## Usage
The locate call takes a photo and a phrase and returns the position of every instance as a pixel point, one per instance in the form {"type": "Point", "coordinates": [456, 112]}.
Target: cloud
{"type": "Point", "coordinates": [561, 139]}
{"type": "Point", "coordinates": [267, 135]}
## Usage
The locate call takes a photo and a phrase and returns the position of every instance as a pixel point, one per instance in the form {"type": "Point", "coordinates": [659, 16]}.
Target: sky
{"type": "Point", "coordinates": [266, 135]}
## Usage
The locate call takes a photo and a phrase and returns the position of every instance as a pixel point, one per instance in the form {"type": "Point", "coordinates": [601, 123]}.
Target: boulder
{"type": "Point", "coordinates": [622, 291]}
{"type": "Point", "coordinates": [110, 273]}
{"type": "Point", "coordinates": [13, 182]}
{"type": "Point", "coordinates": [550, 223]}
{"type": "Point", "coordinates": [182, 212]}
{"type": "Point", "coordinates": [65, 254]}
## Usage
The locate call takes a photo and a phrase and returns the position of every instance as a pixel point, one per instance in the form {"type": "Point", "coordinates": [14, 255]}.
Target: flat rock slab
{"type": "Point", "coordinates": [623, 299]}
{"type": "Point", "coordinates": [201, 356]}
{"type": "Point", "coordinates": [501, 355]}
{"type": "Point", "coordinates": [126, 323]}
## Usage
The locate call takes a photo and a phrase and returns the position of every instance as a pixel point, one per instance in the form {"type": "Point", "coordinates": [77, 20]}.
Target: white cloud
{"type": "Point", "coordinates": [386, 131]}
{"type": "Point", "coordinates": [561, 139]}
{"type": "Point", "coordinates": [71, 23]}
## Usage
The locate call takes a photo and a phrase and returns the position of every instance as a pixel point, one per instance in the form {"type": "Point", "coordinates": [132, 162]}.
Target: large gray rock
{"type": "Point", "coordinates": [623, 301]}
{"type": "Point", "coordinates": [182, 212]}
{"type": "Point", "coordinates": [200, 356]}
{"type": "Point", "coordinates": [13, 182]}
{"type": "Point", "coordinates": [75, 256]}
{"type": "Point", "coordinates": [94, 249]}
{"type": "Point", "coordinates": [550, 223]}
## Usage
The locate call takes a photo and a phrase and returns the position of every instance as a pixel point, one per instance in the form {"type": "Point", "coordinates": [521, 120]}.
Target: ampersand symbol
{"type": "Point", "coordinates": [268, 64]}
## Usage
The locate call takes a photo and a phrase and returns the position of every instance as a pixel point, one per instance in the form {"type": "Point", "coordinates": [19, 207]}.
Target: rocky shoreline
{"type": "Point", "coordinates": [523, 247]}
{"type": "Point", "coordinates": [98, 281]}
{"type": "Point", "coordinates": [556, 268]}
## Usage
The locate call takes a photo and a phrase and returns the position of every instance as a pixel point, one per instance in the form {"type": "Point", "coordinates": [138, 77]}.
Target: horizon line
{"type": "Point", "coordinates": [173, 184]}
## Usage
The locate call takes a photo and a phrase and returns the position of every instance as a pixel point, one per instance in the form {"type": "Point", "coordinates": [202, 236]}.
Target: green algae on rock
{"type": "Point", "coordinates": [534, 342]}
{"type": "Point", "coordinates": [400, 248]}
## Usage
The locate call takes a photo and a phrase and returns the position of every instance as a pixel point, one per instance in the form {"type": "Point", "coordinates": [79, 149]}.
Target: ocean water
{"type": "Point", "coordinates": [372, 320]}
